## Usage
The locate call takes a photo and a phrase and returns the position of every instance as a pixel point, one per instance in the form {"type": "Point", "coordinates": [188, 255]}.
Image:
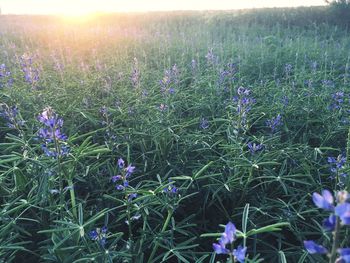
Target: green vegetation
{"type": "Point", "coordinates": [226, 116]}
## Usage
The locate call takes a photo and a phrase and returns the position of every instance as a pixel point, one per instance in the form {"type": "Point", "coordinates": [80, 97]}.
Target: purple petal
{"type": "Point", "coordinates": [328, 196]}
{"type": "Point", "coordinates": [314, 248]}
{"type": "Point", "coordinates": [329, 223]}
{"type": "Point", "coordinates": [230, 232]}
{"type": "Point", "coordinates": [219, 249]}
{"type": "Point", "coordinates": [239, 253]}
{"type": "Point", "coordinates": [343, 211]}
{"type": "Point", "coordinates": [321, 202]}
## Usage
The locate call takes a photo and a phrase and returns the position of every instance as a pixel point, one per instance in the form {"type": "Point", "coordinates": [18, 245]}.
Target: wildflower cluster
{"type": "Point", "coordinates": [328, 83]}
{"type": "Point", "coordinates": [204, 124]}
{"type": "Point", "coordinates": [254, 147]}
{"type": "Point", "coordinates": [288, 69]}
{"type": "Point", "coordinates": [58, 65]}
{"type": "Point", "coordinates": [244, 104]}
{"type": "Point", "coordinates": [10, 114]}
{"type": "Point", "coordinates": [135, 74]}
{"type": "Point", "coordinates": [169, 80]}
{"type": "Point", "coordinates": [163, 107]}
{"type": "Point", "coordinates": [99, 235]}
{"type": "Point", "coordinates": [337, 165]}
{"type": "Point", "coordinates": [227, 75]}
{"type": "Point", "coordinates": [340, 216]}
{"type": "Point", "coordinates": [227, 238]}
{"type": "Point", "coordinates": [123, 178]}
{"type": "Point", "coordinates": [337, 100]}
{"type": "Point", "coordinates": [31, 71]}
{"type": "Point", "coordinates": [211, 57]}
{"type": "Point", "coordinates": [5, 76]}
{"type": "Point", "coordinates": [171, 189]}
{"type": "Point", "coordinates": [51, 134]}
{"type": "Point", "coordinates": [274, 123]}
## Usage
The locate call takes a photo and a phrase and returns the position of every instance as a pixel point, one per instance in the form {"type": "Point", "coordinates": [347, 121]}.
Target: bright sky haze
{"type": "Point", "coordinates": [83, 7]}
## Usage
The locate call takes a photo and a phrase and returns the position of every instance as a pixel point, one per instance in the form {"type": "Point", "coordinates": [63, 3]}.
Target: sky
{"type": "Point", "coordinates": [82, 7]}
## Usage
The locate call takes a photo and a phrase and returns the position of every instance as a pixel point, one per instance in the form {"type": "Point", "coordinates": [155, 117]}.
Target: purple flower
{"type": "Point", "coordinates": [344, 255]}
{"type": "Point", "coordinates": [211, 58]}
{"type": "Point", "coordinates": [329, 223]}
{"type": "Point", "coordinates": [244, 104]}
{"type": "Point", "coordinates": [99, 234]}
{"type": "Point", "coordinates": [116, 178]}
{"type": "Point", "coordinates": [163, 107]}
{"type": "Point", "coordinates": [135, 74]}
{"type": "Point", "coordinates": [93, 235]}
{"type": "Point", "coordinates": [343, 211]}
{"type": "Point", "coordinates": [243, 91]}
{"type": "Point", "coordinates": [10, 114]}
{"type": "Point", "coordinates": [104, 110]}
{"type": "Point", "coordinates": [230, 233]}
{"type": "Point", "coordinates": [226, 238]}
{"type": "Point", "coordinates": [288, 69]}
{"type": "Point", "coordinates": [239, 253]}
{"type": "Point", "coordinates": [328, 83]}
{"type": "Point", "coordinates": [220, 249]}
{"type": "Point", "coordinates": [171, 189]}
{"type": "Point", "coordinates": [337, 100]}
{"type": "Point", "coordinates": [253, 147]}
{"type": "Point", "coordinates": [129, 170]}
{"type": "Point", "coordinates": [204, 124]}
{"type": "Point", "coordinates": [51, 133]}
{"type": "Point", "coordinates": [170, 78]}
{"type": "Point", "coordinates": [5, 76]}
{"type": "Point", "coordinates": [31, 71]}
{"type": "Point", "coordinates": [132, 196]}
{"type": "Point", "coordinates": [339, 162]}
{"type": "Point", "coordinates": [324, 201]}
{"type": "Point", "coordinates": [121, 163]}
{"type": "Point", "coordinates": [314, 248]}
{"type": "Point", "coordinates": [120, 187]}
{"type": "Point", "coordinates": [274, 122]}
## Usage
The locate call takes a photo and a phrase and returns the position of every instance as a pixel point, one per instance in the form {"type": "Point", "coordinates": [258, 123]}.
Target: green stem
{"type": "Point", "coordinates": [166, 223]}
{"type": "Point", "coordinates": [128, 213]}
{"type": "Point", "coordinates": [60, 178]}
{"type": "Point", "coordinates": [72, 198]}
{"type": "Point", "coordinates": [335, 245]}
{"type": "Point", "coordinates": [129, 221]}
{"type": "Point", "coordinates": [143, 235]}
{"type": "Point", "coordinates": [347, 186]}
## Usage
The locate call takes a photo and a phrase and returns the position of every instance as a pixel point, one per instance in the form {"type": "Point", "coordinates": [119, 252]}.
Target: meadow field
{"type": "Point", "coordinates": [175, 137]}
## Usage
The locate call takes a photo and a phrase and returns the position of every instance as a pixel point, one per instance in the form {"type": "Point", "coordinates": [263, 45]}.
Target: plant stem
{"type": "Point", "coordinates": [129, 220]}
{"type": "Point", "coordinates": [335, 245]}
{"type": "Point", "coordinates": [166, 223]}
{"type": "Point", "coordinates": [60, 178]}
{"type": "Point", "coordinates": [72, 197]}
{"type": "Point", "coordinates": [347, 186]}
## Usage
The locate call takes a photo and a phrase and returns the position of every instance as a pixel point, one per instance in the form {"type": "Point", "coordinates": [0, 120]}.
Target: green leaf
{"type": "Point", "coordinates": [265, 229]}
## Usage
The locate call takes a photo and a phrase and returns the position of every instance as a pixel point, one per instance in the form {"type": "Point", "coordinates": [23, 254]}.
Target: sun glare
{"type": "Point", "coordinates": [77, 12]}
